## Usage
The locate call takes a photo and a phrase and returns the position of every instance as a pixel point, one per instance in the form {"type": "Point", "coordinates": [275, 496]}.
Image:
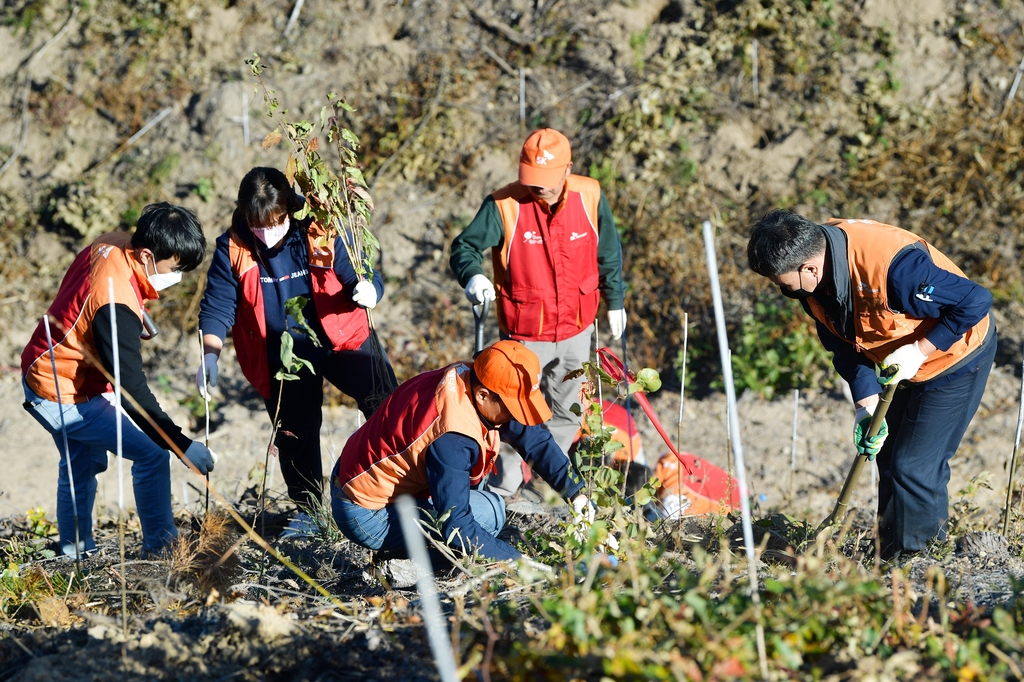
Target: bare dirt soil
{"type": "Point", "coordinates": [436, 86]}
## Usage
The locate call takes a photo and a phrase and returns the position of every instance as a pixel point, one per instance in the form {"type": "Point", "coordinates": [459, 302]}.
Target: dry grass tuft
{"type": "Point", "coordinates": [207, 558]}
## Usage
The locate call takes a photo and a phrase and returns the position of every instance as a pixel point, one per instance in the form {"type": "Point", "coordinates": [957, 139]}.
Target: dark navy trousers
{"type": "Point", "coordinates": [926, 423]}
{"type": "Point", "coordinates": [356, 373]}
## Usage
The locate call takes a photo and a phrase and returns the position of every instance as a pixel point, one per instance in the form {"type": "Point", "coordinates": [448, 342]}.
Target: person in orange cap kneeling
{"type": "Point", "coordinates": [556, 254]}
{"type": "Point", "coordinates": [436, 438]}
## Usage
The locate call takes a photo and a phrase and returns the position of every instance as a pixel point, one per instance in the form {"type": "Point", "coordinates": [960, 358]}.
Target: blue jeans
{"type": "Point", "coordinates": [381, 530]}
{"type": "Point", "coordinates": [92, 432]}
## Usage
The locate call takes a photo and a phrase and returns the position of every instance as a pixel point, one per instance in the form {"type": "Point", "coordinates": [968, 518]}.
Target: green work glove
{"type": "Point", "coordinates": [868, 446]}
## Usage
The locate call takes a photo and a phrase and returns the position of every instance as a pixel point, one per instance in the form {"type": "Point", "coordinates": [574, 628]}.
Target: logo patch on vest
{"type": "Point", "coordinates": [577, 235]}
{"type": "Point", "coordinates": [531, 237]}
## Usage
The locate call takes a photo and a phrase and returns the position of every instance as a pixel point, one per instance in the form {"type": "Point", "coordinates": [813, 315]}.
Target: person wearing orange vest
{"type": "Point", "coordinates": [264, 259]}
{"type": "Point", "coordinates": [167, 241]}
{"type": "Point", "coordinates": [436, 438]}
{"type": "Point", "coordinates": [556, 254]}
{"type": "Point", "coordinates": [883, 296]}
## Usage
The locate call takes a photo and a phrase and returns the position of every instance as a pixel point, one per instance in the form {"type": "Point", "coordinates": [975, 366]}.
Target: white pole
{"type": "Point", "coordinates": [120, 458]}
{"type": "Point", "coordinates": [792, 454]}
{"type": "Point", "coordinates": [67, 451]}
{"type": "Point", "coordinates": [437, 633]}
{"type": "Point", "coordinates": [734, 428]}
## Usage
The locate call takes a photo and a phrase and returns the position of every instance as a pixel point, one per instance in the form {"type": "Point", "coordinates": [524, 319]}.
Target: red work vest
{"type": "Point", "coordinates": [386, 456]}
{"type": "Point", "coordinates": [82, 293]}
{"type": "Point", "coordinates": [546, 271]}
{"type": "Point", "coordinates": [343, 321]}
{"type": "Point", "coordinates": [870, 249]}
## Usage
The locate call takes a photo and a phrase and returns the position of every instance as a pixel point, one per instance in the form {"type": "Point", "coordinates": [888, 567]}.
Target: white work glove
{"type": "Point", "coordinates": [909, 358]}
{"type": "Point", "coordinates": [210, 363]}
{"type": "Point", "coordinates": [616, 323]}
{"type": "Point", "coordinates": [478, 289]}
{"type": "Point", "coordinates": [581, 513]}
{"type": "Point", "coordinates": [364, 294]}
{"type": "Point", "coordinates": [201, 456]}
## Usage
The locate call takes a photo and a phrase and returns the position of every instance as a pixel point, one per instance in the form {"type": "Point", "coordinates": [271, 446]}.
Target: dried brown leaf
{"type": "Point", "coordinates": [271, 139]}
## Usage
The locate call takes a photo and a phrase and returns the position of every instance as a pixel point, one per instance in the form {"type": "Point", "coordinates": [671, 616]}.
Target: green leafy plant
{"type": "Point", "coordinates": [776, 349]}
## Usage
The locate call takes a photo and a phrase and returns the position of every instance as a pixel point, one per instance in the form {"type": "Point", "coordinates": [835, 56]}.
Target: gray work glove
{"type": "Point", "coordinates": [201, 456]}
{"type": "Point", "coordinates": [210, 365]}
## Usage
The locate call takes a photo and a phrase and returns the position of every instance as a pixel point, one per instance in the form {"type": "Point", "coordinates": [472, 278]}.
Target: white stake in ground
{"type": "Point", "coordinates": [120, 457]}
{"type": "Point", "coordinates": [1016, 447]}
{"type": "Point", "coordinates": [206, 403]}
{"type": "Point", "coordinates": [67, 451]}
{"type": "Point", "coordinates": [734, 430]}
{"type": "Point", "coordinates": [792, 453]}
{"type": "Point", "coordinates": [437, 633]}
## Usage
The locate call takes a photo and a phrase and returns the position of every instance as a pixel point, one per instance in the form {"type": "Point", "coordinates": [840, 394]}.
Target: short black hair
{"type": "Point", "coordinates": [782, 241]}
{"type": "Point", "coordinates": [263, 194]}
{"type": "Point", "coordinates": [171, 232]}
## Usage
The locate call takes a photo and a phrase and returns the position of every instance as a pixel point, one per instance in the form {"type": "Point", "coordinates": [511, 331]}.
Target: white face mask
{"type": "Point", "coordinates": [162, 280]}
{"type": "Point", "coordinates": [272, 235]}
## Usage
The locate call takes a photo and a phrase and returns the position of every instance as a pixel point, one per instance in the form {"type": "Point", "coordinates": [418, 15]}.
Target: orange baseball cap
{"type": "Point", "coordinates": [512, 370]}
{"type": "Point", "coordinates": [545, 155]}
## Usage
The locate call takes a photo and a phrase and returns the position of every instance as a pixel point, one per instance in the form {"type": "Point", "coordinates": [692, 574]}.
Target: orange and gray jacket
{"type": "Point", "coordinates": [550, 269]}
{"type": "Point", "coordinates": [80, 325]}
{"type": "Point", "coordinates": [871, 263]}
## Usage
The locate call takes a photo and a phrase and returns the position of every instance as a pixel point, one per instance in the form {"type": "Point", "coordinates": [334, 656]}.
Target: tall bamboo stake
{"type": "Point", "coordinates": [120, 453]}
{"type": "Point", "coordinates": [1016, 447]}
{"type": "Point", "coordinates": [679, 420]}
{"type": "Point", "coordinates": [737, 445]}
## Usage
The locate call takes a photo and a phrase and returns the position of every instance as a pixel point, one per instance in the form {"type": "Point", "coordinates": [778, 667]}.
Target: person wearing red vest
{"type": "Point", "coordinates": [436, 438]}
{"type": "Point", "coordinates": [556, 254]}
{"type": "Point", "coordinates": [882, 296]}
{"type": "Point", "coordinates": [264, 259]}
{"type": "Point", "coordinates": [77, 405]}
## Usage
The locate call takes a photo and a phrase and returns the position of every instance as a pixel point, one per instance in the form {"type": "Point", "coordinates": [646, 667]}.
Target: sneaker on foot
{"type": "Point", "coordinates": [301, 526]}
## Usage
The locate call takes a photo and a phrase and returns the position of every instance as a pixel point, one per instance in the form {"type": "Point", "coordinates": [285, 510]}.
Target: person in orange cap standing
{"type": "Point", "coordinates": [556, 254]}
{"type": "Point", "coordinates": [436, 438]}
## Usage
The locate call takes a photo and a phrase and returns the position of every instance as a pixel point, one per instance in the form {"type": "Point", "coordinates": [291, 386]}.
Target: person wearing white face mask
{"type": "Point", "coordinates": [168, 240]}
{"type": "Point", "coordinates": [266, 258]}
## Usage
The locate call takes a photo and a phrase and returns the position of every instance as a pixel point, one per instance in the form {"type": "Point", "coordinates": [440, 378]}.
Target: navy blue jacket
{"type": "Point", "coordinates": [284, 274]}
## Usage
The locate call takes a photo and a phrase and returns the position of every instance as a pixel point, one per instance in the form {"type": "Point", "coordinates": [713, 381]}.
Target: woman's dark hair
{"type": "Point", "coordinates": [263, 194]}
{"type": "Point", "coordinates": [171, 232]}
{"type": "Point", "coordinates": [781, 242]}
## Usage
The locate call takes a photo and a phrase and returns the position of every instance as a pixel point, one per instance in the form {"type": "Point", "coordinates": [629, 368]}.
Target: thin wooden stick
{"type": "Point", "coordinates": [1013, 457]}
{"type": "Point", "coordinates": [120, 453]}
{"type": "Point", "coordinates": [754, 59]}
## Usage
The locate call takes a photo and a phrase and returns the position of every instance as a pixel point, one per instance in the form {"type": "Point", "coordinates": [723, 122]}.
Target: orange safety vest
{"type": "Point", "coordinates": [345, 324]}
{"type": "Point", "coordinates": [84, 291]}
{"type": "Point", "coordinates": [879, 330]}
{"type": "Point", "coordinates": [546, 271]}
{"type": "Point", "coordinates": [386, 456]}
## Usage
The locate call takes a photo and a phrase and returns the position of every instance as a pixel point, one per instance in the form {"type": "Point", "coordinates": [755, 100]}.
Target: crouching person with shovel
{"type": "Point", "coordinates": [883, 297]}
{"type": "Point", "coordinates": [66, 375]}
{"type": "Point", "coordinates": [436, 438]}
